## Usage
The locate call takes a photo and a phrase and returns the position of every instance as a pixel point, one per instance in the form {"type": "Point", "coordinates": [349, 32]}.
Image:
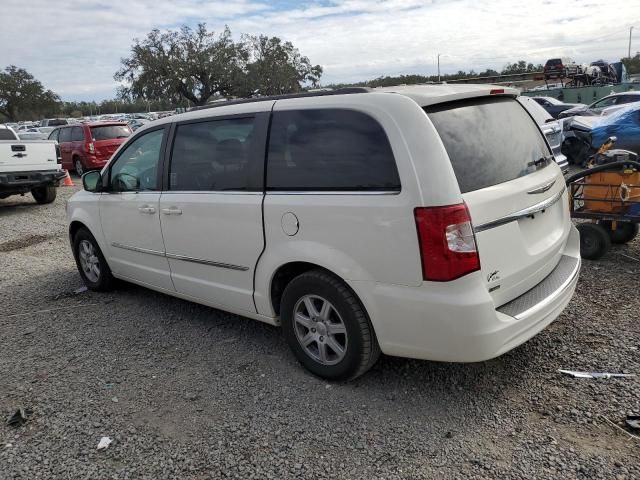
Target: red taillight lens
{"type": "Point", "coordinates": [447, 242]}
{"type": "Point", "coordinates": [90, 147]}
{"type": "Point", "coordinates": [496, 91]}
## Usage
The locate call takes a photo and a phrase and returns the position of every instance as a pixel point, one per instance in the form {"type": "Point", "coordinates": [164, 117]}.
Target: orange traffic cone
{"type": "Point", "coordinates": [67, 182]}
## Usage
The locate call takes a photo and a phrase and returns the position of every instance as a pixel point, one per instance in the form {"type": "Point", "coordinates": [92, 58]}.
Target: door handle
{"type": "Point", "coordinates": [172, 211]}
{"type": "Point", "coordinates": [147, 209]}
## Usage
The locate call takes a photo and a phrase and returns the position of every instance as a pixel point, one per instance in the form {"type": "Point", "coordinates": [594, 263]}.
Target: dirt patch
{"type": "Point", "coordinates": [23, 242]}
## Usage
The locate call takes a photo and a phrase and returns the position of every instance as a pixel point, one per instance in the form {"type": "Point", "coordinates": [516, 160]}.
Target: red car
{"type": "Point", "coordinates": [89, 146]}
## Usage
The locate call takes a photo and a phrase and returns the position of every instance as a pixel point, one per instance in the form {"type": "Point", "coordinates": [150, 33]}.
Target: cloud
{"type": "Point", "coordinates": [74, 46]}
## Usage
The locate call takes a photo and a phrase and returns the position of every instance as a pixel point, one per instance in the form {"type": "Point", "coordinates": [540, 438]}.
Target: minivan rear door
{"type": "Point", "coordinates": [514, 190]}
{"type": "Point", "coordinates": [107, 139]}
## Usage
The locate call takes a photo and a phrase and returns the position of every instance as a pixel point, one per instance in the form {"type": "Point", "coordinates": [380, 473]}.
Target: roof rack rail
{"type": "Point", "coordinates": [317, 93]}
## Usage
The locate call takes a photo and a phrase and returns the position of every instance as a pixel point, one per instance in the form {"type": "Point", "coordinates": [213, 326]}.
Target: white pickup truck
{"type": "Point", "coordinates": [29, 166]}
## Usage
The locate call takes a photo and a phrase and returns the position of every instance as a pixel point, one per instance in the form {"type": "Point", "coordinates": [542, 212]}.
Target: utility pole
{"type": "Point", "coordinates": [441, 54]}
{"type": "Point", "coordinates": [630, 30]}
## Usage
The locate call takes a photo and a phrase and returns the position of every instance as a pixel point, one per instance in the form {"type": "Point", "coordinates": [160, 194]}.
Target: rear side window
{"type": "Point", "coordinates": [108, 132]}
{"type": "Point", "coordinates": [77, 135]}
{"type": "Point", "coordinates": [65, 135]}
{"type": "Point", "coordinates": [489, 141]}
{"type": "Point", "coordinates": [212, 155]}
{"type": "Point", "coordinates": [329, 149]}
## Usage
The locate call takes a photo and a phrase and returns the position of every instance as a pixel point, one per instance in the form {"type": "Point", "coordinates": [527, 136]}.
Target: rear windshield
{"type": "Point", "coordinates": [489, 141]}
{"type": "Point", "coordinates": [553, 62]}
{"type": "Point", "coordinates": [108, 132]}
{"type": "Point", "coordinates": [55, 122]}
{"type": "Point", "coordinates": [6, 134]}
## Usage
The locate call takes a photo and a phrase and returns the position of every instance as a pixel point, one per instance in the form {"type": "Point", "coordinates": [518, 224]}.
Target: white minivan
{"type": "Point", "coordinates": [423, 221]}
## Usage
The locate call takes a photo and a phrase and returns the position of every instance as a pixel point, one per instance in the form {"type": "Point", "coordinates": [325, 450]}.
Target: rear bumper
{"type": "Point", "coordinates": [458, 321]}
{"type": "Point", "coordinates": [91, 161]}
{"type": "Point", "coordinates": [25, 181]}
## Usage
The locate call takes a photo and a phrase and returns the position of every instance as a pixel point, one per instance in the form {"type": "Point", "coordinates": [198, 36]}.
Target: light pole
{"type": "Point", "coordinates": [630, 30]}
{"type": "Point", "coordinates": [439, 66]}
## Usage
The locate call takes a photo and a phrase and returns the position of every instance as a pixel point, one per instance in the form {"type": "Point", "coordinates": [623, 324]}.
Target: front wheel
{"type": "Point", "coordinates": [594, 241]}
{"type": "Point", "coordinates": [46, 194]}
{"type": "Point", "coordinates": [326, 327]}
{"type": "Point", "coordinates": [93, 267]}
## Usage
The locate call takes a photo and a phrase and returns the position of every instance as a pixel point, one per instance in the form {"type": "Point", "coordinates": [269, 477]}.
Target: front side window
{"type": "Point", "coordinates": [606, 102]}
{"type": "Point", "coordinates": [65, 135]}
{"type": "Point", "coordinates": [329, 150]}
{"type": "Point", "coordinates": [54, 135]}
{"type": "Point", "coordinates": [136, 168]}
{"type": "Point", "coordinates": [212, 155]}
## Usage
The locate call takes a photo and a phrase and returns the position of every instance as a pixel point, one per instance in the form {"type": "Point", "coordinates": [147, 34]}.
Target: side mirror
{"type": "Point", "coordinates": [92, 181]}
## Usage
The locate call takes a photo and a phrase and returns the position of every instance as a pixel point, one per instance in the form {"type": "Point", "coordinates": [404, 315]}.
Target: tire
{"type": "Point", "coordinates": [78, 167]}
{"type": "Point", "coordinates": [624, 232]}
{"type": "Point", "coordinates": [594, 241]}
{"type": "Point", "coordinates": [344, 313]}
{"type": "Point", "coordinates": [88, 254]}
{"type": "Point", "coordinates": [46, 194]}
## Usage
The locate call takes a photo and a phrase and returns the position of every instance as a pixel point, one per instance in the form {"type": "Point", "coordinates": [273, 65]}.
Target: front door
{"type": "Point", "coordinates": [211, 213]}
{"type": "Point", "coordinates": [129, 213]}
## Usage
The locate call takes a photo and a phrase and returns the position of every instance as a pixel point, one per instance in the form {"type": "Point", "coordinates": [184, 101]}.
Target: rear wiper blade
{"type": "Point", "coordinates": [540, 161]}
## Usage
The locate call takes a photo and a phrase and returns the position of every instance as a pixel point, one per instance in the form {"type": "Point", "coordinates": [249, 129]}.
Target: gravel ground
{"type": "Point", "coordinates": [189, 392]}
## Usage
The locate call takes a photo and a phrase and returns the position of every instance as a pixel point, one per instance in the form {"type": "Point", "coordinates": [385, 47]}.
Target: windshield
{"type": "Point", "coordinates": [489, 141]}
{"type": "Point", "coordinates": [108, 132]}
{"type": "Point", "coordinates": [56, 122]}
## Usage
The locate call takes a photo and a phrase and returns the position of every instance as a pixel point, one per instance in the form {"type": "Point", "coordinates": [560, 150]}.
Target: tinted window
{"type": "Point", "coordinates": [137, 167]}
{"type": "Point", "coordinates": [77, 135]}
{"type": "Point", "coordinates": [54, 122]}
{"type": "Point", "coordinates": [553, 62]}
{"type": "Point", "coordinates": [212, 155]}
{"type": "Point", "coordinates": [329, 150]}
{"type": "Point", "coordinates": [108, 132]}
{"type": "Point", "coordinates": [489, 141]}
{"type": "Point", "coordinates": [6, 134]}
{"type": "Point", "coordinates": [65, 135]}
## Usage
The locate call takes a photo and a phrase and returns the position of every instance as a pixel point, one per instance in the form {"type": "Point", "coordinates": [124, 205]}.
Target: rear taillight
{"type": "Point", "coordinates": [90, 147]}
{"type": "Point", "coordinates": [447, 242]}
{"type": "Point", "coordinates": [496, 91]}
{"type": "Point", "coordinates": [58, 154]}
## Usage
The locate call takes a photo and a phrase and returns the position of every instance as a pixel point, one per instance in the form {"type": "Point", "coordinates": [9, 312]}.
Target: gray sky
{"type": "Point", "coordinates": [74, 46]}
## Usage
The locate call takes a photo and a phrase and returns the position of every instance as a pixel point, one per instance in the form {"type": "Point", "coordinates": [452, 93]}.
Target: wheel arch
{"type": "Point", "coordinates": [286, 272]}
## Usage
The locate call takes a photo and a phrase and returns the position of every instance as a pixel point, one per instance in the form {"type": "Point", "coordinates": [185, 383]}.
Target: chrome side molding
{"type": "Point", "coordinates": [185, 258]}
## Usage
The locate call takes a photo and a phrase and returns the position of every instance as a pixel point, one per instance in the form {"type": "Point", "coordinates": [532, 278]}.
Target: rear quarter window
{"type": "Point", "coordinates": [329, 150]}
{"type": "Point", "coordinates": [489, 141]}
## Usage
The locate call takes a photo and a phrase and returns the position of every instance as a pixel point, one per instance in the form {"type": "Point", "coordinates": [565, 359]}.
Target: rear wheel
{"type": "Point", "coordinates": [77, 164]}
{"type": "Point", "coordinates": [623, 233]}
{"type": "Point", "coordinates": [46, 194]}
{"type": "Point", "coordinates": [594, 241]}
{"type": "Point", "coordinates": [93, 267]}
{"type": "Point", "coordinates": [326, 327]}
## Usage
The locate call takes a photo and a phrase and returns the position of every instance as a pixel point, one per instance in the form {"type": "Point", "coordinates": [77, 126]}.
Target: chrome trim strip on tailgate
{"type": "Point", "coordinates": [173, 256]}
{"type": "Point", "coordinates": [527, 212]}
{"type": "Point", "coordinates": [547, 291]}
